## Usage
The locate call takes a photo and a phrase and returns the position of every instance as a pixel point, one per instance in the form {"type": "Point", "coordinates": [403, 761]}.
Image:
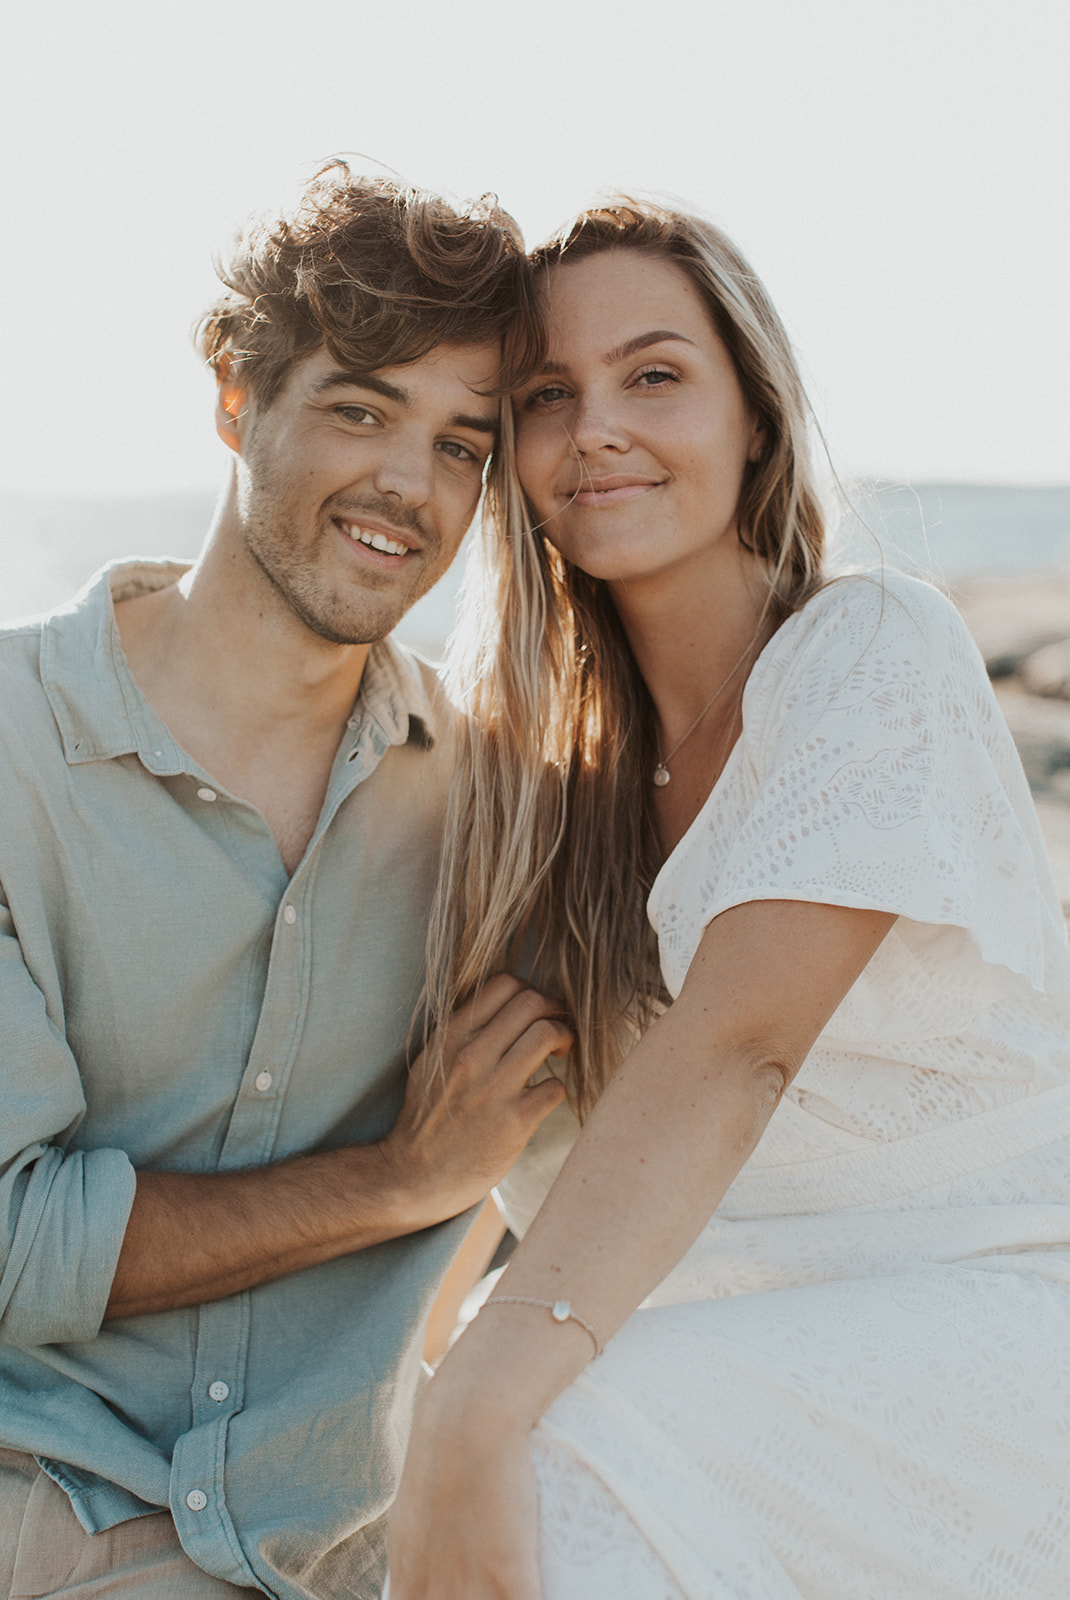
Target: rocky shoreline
{"type": "Point", "coordinates": [1022, 627]}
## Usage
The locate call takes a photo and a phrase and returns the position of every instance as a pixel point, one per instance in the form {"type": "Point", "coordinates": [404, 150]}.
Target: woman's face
{"type": "Point", "coordinates": [632, 443]}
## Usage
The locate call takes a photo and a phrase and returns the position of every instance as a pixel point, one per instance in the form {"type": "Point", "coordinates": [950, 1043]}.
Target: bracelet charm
{"type": "Point", "coordinates": [560, 1310]}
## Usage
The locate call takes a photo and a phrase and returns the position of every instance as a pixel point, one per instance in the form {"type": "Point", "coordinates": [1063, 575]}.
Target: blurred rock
{"type": "Point", "coordinates": [1041, 730]}
{"type": "Point", "coordinates": [1012, 618]}
{"type": "Point", "coordinates": [1047, 671]}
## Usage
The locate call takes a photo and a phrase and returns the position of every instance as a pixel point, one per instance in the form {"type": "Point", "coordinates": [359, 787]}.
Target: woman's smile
{"type": "Point", "coordinates": [610, 491]}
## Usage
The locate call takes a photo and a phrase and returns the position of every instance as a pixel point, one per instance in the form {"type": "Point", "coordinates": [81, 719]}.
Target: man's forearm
{"type": "Point", "coordinates": [193, 1237]}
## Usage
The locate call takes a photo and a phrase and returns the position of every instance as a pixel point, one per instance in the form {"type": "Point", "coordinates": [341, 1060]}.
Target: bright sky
{"type": "Point", "coordinates": [895, 171]}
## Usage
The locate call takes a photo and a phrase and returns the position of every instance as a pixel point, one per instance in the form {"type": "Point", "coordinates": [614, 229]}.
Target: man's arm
{"type": "Point", "coordinates": [196, 1237]}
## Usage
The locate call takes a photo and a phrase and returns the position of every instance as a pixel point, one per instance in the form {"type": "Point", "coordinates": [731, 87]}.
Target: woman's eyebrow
{"type": "Point", "coordinates": [642, 341]}
{"type": "Point", "coordinates": [620, 352]}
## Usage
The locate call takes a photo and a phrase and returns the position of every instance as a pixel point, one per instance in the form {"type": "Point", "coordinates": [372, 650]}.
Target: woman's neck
{"type": "Point", "coordinates": [695, 636]}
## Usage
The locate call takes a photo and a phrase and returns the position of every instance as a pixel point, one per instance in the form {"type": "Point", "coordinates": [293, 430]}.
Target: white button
{"type": "Point", "coordinates": [207, 794]}
{"type": "Point", "coordinates": [263, 1081]}
{"type": "Point", "coordinates": [196, 1499]}
{"type": "Point", "coordinates": [352, 723]}
{"type": "Point", "coordinates": [218, 1391]}
{"type": "Point", "coordinates": [289, 915]}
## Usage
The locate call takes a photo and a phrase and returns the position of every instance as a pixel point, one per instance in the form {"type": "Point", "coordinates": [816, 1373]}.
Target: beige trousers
{"type": "Point", "coordinates": [44, 1550]}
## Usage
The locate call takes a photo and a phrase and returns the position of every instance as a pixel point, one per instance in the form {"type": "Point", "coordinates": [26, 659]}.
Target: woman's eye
{"type": "Point", "coordinates": [551, 395]}
{"type": "Point", "coordinates": [654, 377]}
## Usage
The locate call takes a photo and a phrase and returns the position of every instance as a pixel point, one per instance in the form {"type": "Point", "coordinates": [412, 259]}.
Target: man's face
{"type": "Point", "coordinates": [354, 489]}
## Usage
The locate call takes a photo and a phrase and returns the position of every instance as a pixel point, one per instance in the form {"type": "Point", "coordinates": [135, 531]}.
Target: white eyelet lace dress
{"type": "Point", "coordinates": [856, 1384]}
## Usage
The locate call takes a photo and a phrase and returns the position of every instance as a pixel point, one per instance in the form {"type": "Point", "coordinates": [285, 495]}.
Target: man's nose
{"type": "Point", "coordinates": [405, 471]}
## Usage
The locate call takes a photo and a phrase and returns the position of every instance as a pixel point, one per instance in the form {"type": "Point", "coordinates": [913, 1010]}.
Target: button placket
{"type": "Point", "coordinates": [260, 1103]}
{"type": "Point", "coordinates": [217, 1377]}
{"type": "Point", "coordinates": [197, 1497]}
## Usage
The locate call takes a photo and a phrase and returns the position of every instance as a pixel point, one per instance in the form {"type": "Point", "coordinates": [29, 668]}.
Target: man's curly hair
{"type": "Point", "coordinates": [379, 274]}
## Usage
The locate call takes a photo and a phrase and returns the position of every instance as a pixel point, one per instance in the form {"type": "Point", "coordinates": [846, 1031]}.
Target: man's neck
{"type": "Point", "coordinates": [247, 690]}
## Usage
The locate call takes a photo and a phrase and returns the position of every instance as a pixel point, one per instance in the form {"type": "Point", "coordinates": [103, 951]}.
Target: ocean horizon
{"type": "Point", "coordinates": [946, 531]}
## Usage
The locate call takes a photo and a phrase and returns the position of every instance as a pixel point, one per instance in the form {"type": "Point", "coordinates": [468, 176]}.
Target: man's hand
{"type": "Point", "coordinates": [470, 1111]}
{"type": "Point", "coordinates": [195, 1237]}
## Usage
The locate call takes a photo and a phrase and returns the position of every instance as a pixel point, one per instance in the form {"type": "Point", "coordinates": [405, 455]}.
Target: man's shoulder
{"type": "Point", "coordinates": [31, 750]}
{"type": "Point", "coordinates": [420, 688]}
{"type": "Point", "coordinates": [20, 662]}
{"type": "Point", "coordinates": [39, 651]}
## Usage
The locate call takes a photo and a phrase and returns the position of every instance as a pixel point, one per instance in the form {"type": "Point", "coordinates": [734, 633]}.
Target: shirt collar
{"type": "Point", "coordinates": [101, 712]}
{"type": "Point", "coordinates": [394, 694]}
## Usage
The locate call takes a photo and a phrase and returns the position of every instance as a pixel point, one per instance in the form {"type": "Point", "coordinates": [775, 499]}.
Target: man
{"type": "Point", "coordinates": [226, 1206]}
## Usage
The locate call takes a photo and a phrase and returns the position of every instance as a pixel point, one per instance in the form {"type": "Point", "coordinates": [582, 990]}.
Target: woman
{"type": "Point", "coordinates": [849, 1373]}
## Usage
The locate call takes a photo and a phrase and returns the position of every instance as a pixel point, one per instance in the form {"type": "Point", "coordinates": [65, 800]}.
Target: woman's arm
{"type": "Point", "coordinates": [656, 1156]}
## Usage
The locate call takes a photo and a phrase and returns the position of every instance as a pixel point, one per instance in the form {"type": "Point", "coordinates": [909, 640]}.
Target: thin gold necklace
{"type": "Point", "coordinates": [662, 775]}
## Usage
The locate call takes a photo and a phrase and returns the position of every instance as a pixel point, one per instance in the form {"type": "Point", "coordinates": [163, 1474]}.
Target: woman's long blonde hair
{"type": "Point", "coordinates": [550, 846]}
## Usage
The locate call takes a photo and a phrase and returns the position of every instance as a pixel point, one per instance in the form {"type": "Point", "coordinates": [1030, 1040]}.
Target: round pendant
{"type": "Point", "coordinates": [661, 775]}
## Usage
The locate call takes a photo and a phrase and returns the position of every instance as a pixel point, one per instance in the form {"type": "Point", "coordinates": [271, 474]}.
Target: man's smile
{"type": "Point", "coordinates": [374, 537]}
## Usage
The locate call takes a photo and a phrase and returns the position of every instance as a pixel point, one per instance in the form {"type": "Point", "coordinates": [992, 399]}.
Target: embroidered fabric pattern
{"type": "Point", "coordinates": [861, 1441]}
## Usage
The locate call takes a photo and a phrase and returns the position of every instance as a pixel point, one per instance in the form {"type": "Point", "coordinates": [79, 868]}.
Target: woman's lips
{"type": "Point", "coordinates": [610, 491]}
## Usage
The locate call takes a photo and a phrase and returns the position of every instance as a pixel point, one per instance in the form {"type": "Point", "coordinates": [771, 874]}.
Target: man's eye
{"type": "Point", "coordinates": [458, 451]}
{"type": "Point", "coordinates": [359, 414]}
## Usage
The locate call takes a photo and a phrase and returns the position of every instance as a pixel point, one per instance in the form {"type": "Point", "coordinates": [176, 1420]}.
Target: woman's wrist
{"type": "Point", "coordinates": [507, 1367]}
{"type": "Point", "coordinates": [486, 1407]}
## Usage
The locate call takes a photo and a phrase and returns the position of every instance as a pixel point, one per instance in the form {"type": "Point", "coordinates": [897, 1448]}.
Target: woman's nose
{"type": "Point", "coordinates": [597, 426]}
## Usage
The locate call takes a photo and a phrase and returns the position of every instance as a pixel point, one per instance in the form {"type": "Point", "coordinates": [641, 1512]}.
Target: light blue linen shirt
{"type": "Point", "coordinates": [171, 999]}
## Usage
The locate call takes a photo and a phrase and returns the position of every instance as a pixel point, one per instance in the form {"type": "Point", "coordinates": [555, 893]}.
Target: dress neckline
{"type": "Point", "coordinates": [729, 766]}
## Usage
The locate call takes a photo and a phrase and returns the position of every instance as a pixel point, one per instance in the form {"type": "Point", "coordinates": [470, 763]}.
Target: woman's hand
{"type": "Point", "coordinates": [464, 1523]}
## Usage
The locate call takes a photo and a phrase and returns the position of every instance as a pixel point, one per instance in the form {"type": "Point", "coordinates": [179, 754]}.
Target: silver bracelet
{"type": "Point", "coordinates": [560, 1310]}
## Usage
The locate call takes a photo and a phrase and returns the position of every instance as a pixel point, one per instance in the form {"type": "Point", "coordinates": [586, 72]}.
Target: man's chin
{"type": "Point", "coordinates": [364, 634]}
{"type": "Point", "coordinates": [337, 625]}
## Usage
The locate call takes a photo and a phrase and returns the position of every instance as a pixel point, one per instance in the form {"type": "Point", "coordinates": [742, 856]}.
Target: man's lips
{"type": "Point", "coordinates": [610, 491]}
{"type": "Point", "coordinates": [377, 536]}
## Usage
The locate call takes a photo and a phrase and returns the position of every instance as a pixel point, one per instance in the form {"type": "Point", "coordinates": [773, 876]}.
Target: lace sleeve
{"type": "Point", "coordinates": [875, 770]}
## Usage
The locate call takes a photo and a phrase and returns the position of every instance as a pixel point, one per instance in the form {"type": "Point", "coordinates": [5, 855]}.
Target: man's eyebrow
{"type": "Point", "coordinates": [343, 378]}
{"type": "Point", "coordinates": [489, 425]}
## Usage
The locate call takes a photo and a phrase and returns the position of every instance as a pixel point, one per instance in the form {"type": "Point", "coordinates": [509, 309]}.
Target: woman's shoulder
{"type": "Point", "coordinates": [861, 630]}
{"type": "Point", "coordinates": [886, 604]}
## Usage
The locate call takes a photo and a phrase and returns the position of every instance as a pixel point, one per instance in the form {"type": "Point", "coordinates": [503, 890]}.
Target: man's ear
{"type": "Point", "coordinates": [230, 403]}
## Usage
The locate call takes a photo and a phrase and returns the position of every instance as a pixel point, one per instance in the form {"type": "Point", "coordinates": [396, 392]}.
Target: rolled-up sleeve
{"type": "Point", "coordinates": [63, 1213]}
